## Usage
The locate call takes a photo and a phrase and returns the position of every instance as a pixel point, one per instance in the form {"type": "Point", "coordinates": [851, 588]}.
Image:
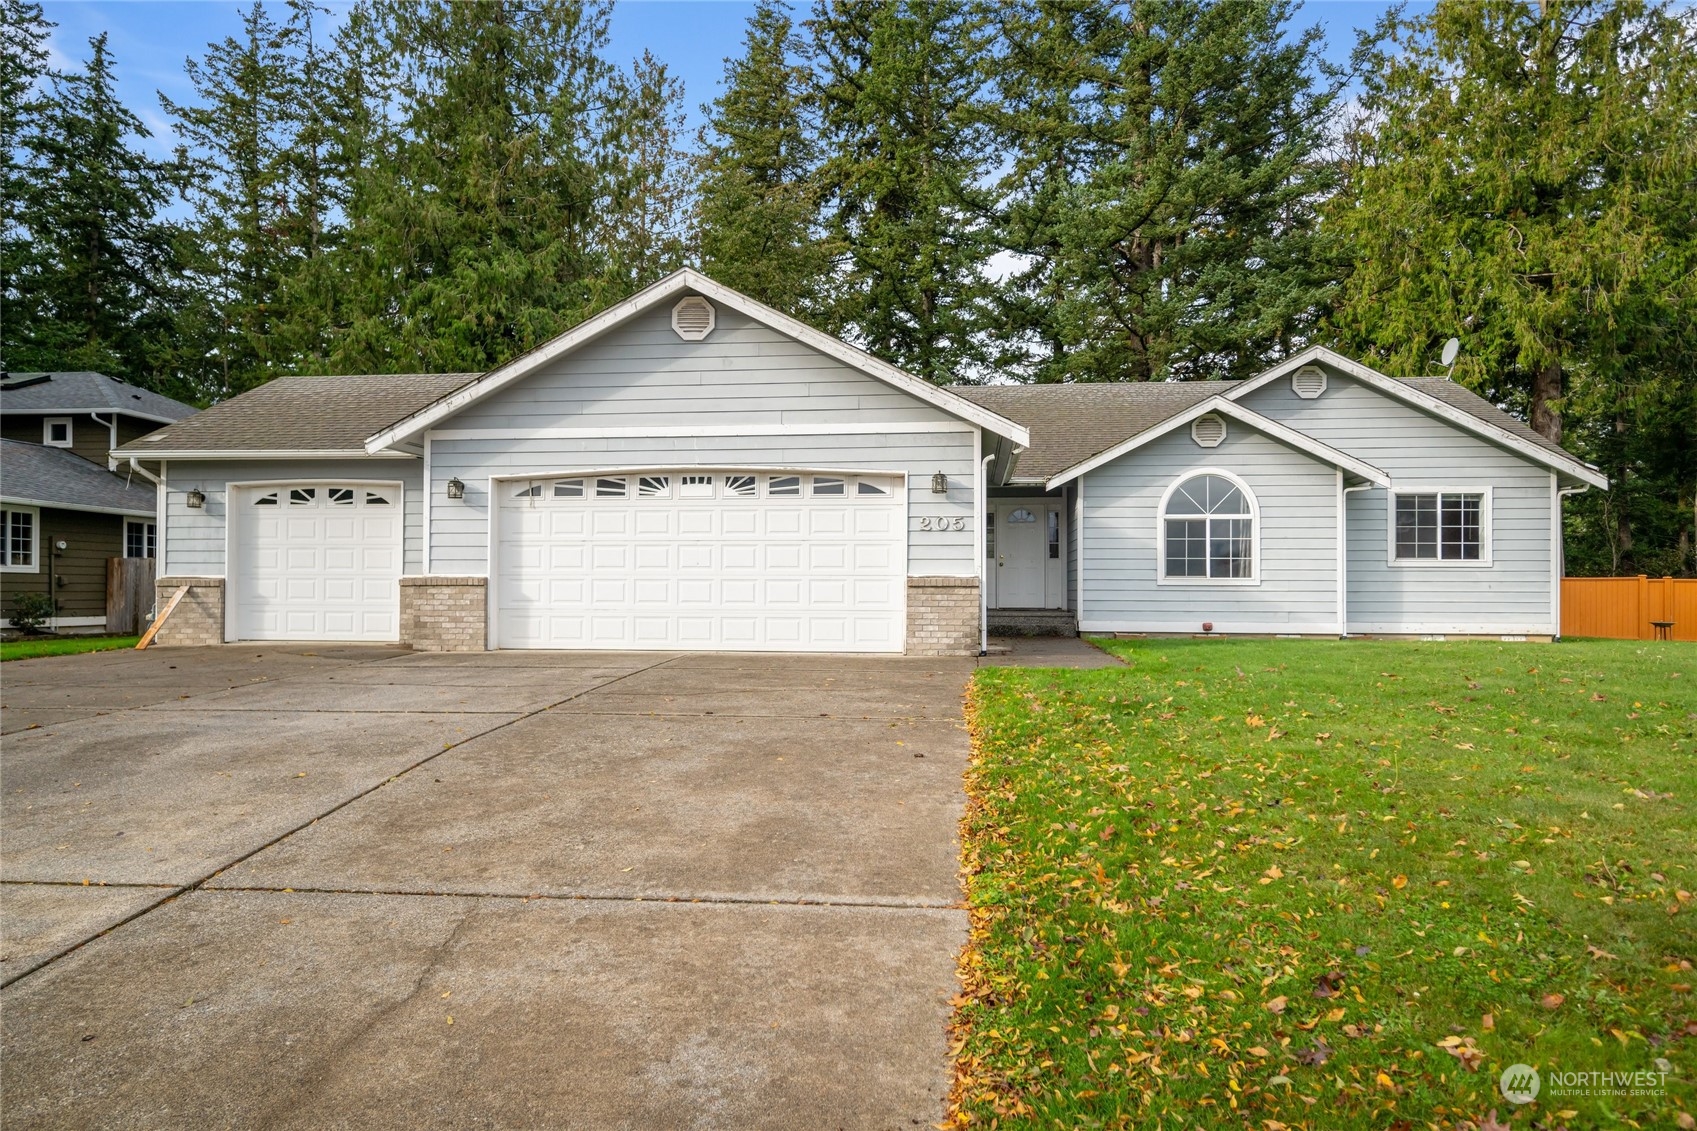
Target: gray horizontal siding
{"type": "Point", "coordinates": [1298, 531]}
{"type": "Point", "coordinates": [642, 374]}
{"type": "Point", "coordinates": [1418, 451]}
{"type": "Point", "coordinates": [460, 529]}
{"type": "Point", "coordinates": [194, 539]}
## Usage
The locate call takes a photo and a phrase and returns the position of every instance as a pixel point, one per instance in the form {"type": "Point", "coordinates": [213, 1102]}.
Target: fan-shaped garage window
{"type": "Point", "coordinates": [1208, 530]}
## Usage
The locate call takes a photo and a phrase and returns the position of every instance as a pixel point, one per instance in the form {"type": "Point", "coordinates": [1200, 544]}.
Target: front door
{"type": "Point", "coordinates": [1020, 557]}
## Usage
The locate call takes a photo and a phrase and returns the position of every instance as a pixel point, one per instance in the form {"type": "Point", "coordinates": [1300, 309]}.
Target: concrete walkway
{"type": "Point", "coordinates": [342, 887]}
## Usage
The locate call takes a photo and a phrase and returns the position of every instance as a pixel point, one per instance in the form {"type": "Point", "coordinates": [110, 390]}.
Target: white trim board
{"type": "Point", "coordinates": [689, 280]}
{"type": "Point", "coordinates": [1390, 386]}
{"type": "Point", "coordinates": [11, 500]}
{"type": "Point", "coordinates": [1325, 453]}
{"type": "Point", "coordinates": [690, 431]}
{"type": "Point", "coordinates": [126, 452]}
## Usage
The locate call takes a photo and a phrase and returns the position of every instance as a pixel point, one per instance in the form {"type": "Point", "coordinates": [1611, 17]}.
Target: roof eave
{"type": "Point", "coordinates": [128, 452]}
{"type": "Point", "coordinates": [86, 508]}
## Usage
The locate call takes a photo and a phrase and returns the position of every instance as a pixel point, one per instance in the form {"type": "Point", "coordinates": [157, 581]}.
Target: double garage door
{"type": "Point", "coordinates": [734, 560]}
{"type": "Point", "coordinates": [316, 561]}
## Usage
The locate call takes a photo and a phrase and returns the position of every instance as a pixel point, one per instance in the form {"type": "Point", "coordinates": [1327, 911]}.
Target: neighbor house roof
{"type": "Point", "coordinates": [1070, 423]}
{"type": "Point", "coordinates": [36, 475]}
{"type": "Point", "coordinates": [299, 416]}
{"type": "Point", "coordinates": [80, 392]}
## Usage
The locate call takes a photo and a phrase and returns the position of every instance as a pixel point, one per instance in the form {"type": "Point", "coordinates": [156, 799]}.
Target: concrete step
{"type": "Point", "coordinates": [1033, 622]}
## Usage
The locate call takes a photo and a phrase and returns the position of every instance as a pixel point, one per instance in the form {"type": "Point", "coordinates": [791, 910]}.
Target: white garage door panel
{"type": "Point", "coordinates": [728, 560]}
{"type": "Point", "coordinates": [317, 562]}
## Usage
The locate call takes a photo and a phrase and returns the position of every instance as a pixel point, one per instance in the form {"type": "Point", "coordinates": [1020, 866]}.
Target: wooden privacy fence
{"type": "Point", "coordinates": [1625, 608]}
{"type": "Point", "coordinates": [129, 594]}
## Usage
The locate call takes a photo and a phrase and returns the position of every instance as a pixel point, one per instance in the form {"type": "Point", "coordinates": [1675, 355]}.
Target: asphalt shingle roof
{"type": "Point", "coordinates": [1458, 396]}
{"type": "Point", "coordinates": [35, 473]}
{"type": "Point", "coordinates": [85, 392]}
{"type": "Point", "coordinates": [330, 414]}
{"type": "Point", "coordinates": [1071, 423]}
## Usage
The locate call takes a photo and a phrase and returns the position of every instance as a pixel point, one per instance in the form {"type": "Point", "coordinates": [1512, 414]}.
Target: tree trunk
{"type": "Point", "coordinates": [1546, 387]}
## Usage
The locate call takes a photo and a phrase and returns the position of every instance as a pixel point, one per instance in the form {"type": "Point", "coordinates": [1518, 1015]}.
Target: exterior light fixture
{"type": "Point", "coordinates": [456, 489]}
{"type": "Point", "coordinates": [196, 498]}
{"type": "Point", "coordinates": [939, 484]}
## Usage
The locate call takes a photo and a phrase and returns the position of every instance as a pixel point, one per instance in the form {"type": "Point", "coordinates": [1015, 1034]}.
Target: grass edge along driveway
{"type": "Point", "coordinates": [34, 648]}
{"type": "Point", "coordinates": [1283, 884]}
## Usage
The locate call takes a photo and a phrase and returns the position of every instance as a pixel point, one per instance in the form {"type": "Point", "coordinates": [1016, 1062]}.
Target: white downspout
{"type": "Point", "coordinates": [1343, 552]}
{"type": "Point", "coordinates": [111, 437]}
{"type": "Point", "coordinates": [981, 507]}
{"type": "Point", "coordinates": [1558, 549]}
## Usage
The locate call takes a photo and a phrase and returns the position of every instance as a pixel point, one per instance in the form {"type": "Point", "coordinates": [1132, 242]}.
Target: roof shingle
{"type": "Point", "coordinates": [34, 473]}
{"type": "Point", "coordinates": [85, 392]}
{"type": "Point", "coordinates": [303, 414]}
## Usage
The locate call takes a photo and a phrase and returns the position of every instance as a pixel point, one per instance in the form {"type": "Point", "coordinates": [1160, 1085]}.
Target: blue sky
{"type": "Point", "coordinates": [151, 38]}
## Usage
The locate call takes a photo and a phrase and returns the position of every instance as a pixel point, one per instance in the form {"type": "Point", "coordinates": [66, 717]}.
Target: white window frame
{"type": "Point", "coordinates": [149, 536]}
{"type": "Point", "coordinates": [6, 565]}
{"type": "Point", "coordinates": [1254, 577]}
{"type": "Point", "coordinates": [47, 423]}
{"type": "Point", "coordinates": [1485, 521]}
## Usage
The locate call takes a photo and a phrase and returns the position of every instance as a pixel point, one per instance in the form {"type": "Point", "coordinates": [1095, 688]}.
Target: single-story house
{"type": "Point", "coordinates": [63, 514]}
{"type": "Point", "coordinates": [693, 470]}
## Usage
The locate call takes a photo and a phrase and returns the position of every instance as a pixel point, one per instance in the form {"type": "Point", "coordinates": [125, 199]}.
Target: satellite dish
{"type": "Point", "coordinates": [1451, 348]}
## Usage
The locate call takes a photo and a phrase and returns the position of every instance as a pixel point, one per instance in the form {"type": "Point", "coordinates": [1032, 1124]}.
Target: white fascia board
{"type": "Point", "coordinates": [691, 280]}
{"type": "Point", "coordinates": [1272, 428]}
{"type": "Point", "coordinates": [258, 453]}
{"type": "Point", "coordinates": [46, 504]}
{"type": "Point", "coordinates": [1391, 387]}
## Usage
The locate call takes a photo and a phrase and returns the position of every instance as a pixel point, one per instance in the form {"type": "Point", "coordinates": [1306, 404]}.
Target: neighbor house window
{"type": "Point", "coordinates": [17, 540]}
{"type": "Point", "coordinates": [1441, 526]}
{"type": "Point", "coordinates": [56, 431]}
{"type": "Point", "coordinates": [1208, 530]}
{"type": "Point", "coordinates": [139, 538]}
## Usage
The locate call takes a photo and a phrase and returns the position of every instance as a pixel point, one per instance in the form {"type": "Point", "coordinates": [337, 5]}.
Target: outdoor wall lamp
{"type": "Point", "coordinates": [939, 484]}
{"type": "Point", "coordinates": [196, 498]}
{"type": "Point", "coordinates": [456, 489]}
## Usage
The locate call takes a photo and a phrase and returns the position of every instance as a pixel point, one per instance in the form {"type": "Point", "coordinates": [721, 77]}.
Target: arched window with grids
{"type": "Point", "coordinates": [1208, 529]}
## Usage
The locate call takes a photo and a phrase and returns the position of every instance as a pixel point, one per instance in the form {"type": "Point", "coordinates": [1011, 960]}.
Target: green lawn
{"type": "Point", "coordinates": [62, 646]}
{"type": "Point", "coordinates": [1270, 884]}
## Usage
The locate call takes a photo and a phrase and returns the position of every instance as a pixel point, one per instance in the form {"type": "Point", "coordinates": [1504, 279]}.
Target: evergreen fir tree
{"type": "Point", "coordinates": [98, 287]}
{"type": "Point", "coordinates": [895, 85]}
{"type": "Point", "coordinates": [1160, 202]}
{"type": "Point", "coordinates": [755, 204]}
{"type": "Point", "coordinates": [645, 233]}
{"type": "Point", "coordinates": [23, 70]}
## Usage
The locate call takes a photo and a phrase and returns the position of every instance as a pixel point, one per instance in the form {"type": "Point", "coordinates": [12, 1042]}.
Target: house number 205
{"type": "Point", "coordinates": [942, 523]}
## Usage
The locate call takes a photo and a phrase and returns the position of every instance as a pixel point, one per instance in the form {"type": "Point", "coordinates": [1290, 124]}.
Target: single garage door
{"type": "Point", "coordinates": [733, 560]}
{"type": "Point", "coordinates": [317, 561]}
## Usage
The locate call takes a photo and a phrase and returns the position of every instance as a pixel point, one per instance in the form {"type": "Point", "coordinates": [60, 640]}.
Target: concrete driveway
{"type": "Point", "coordinates": [358, 887]}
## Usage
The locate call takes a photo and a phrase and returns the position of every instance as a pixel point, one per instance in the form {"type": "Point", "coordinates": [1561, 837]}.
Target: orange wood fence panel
{"type": "Point", "coordinates": [1625, 607]}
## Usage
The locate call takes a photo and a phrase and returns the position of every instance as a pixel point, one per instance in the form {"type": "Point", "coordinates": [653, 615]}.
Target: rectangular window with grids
{"type": "Point", "coordinates": [1440, 526]}
{"type": "Point", "coordinates": [17, 539]}
{"type": "Point", "coordinates": [139, 538]}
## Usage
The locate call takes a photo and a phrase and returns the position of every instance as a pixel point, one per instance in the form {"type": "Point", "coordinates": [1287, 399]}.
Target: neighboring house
{"type": "Point", "coordinates": [62, 513]}
{"type": "Point", "coordinates": [690, 469]}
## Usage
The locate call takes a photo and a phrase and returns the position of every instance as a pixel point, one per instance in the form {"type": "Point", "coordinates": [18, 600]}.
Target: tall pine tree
{"type": "Point", "coordinates": [756, 198]}
{"type": "Point", "coordinates": [1160, 201]}
{"type": "Point", "coordinates": [97, 288]}
{"type": "Point", "coordinates": [903, 161]}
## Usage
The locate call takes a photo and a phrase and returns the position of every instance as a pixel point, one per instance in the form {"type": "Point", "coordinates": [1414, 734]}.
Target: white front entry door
{"type": "Point", "coordinates": [723, 560]}
{"type": "Point", "coordinates": [316, 561]}
{"type": "Point", "coordinates": [1021, 556]}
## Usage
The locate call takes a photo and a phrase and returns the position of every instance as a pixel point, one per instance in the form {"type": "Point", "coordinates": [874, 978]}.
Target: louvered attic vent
{"type": "Point", "coordinates": [1308, 382]}
{"type": "Point", "coordinates": [1208, 430]}
{"type": "Point", "coordinates": [692, 318]}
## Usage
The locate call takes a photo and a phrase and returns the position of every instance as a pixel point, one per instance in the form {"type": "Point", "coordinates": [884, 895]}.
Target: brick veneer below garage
{"type": "Point", "coordinates": [198, 617]}
{"type": "Point", "coordinates": [445, 614]}
{"type": "Point", "coordinates": [942, 616]}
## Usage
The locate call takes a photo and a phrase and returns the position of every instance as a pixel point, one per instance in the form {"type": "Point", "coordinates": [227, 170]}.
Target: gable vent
{"type": "Point", "coordinates": [1208, 430]}
{"type": "Point", "coordinates": [1309, 382]}
{"type": "Point", "coordinates": [692, 318]}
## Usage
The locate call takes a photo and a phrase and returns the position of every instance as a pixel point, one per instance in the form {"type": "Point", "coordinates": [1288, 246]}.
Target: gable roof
{"type": "Point", "coordinates": [293, 417]}
{"type": "Point", "coordinates": [1290, 437]}
{"type": "Point", "coordinates": [36, 475]}
{"type": "Point", "coordinates": [1069, 423]}
{"type": "Point", "coordinates": [1445, 399]}
{"type": "Point", "coordinates": [690, 281]}
{"type": "Point", "coordinates": [83, 391]}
